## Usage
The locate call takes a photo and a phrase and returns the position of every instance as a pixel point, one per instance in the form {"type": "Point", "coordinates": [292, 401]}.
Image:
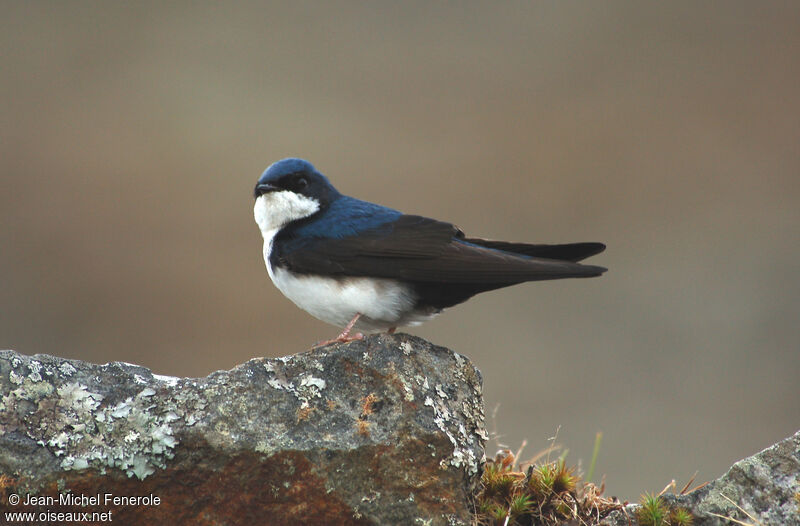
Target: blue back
{"type": "Point", "coordinates": [346, 216]}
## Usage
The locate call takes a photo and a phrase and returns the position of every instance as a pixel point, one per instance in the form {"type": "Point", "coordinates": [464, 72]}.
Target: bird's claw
{"type": "Point", "coordinates": [342, 338]}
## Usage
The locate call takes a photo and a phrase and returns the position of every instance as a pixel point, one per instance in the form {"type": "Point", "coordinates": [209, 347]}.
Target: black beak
{"type": "Point", "coordinates": [263, 188]}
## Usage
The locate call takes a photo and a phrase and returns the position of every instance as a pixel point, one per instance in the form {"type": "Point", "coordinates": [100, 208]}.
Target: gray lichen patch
{"type": "Point", "coordinates": [467, 443]}
{"type": "Point", "coordinates": [455, 400]}
{"type": "Point", "coordinates": [54, 407]}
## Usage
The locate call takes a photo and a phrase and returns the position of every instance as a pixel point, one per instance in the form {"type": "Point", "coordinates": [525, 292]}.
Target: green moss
{"type": "Point", "coordinates": [552, 493]}
{"type": "Point", "coordinates": [545, 494]}
{"type": "Point", "coordinates": [680, 517]}
{"type": "Point", "coordinates": [652, 511]}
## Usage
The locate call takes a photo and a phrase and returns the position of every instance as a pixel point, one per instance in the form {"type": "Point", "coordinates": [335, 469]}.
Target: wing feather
{"type": "Point", "coordinates": [420, 249]}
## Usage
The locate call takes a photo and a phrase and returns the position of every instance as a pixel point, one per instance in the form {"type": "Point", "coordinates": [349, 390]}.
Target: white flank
{"type": "Point", "coordinates": [383, 303]}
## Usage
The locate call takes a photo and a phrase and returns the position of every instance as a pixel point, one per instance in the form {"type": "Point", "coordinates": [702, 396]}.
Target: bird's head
{"type": "Point", "coordinates": [290, 190]}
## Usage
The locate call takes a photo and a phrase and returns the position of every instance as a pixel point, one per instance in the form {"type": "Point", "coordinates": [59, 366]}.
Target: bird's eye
{"type": "Point", "coordinates": [301, 183]}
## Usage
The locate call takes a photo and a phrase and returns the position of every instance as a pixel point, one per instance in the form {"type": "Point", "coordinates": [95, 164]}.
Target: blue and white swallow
{"type": "Point", "coordinates": [364, 266]}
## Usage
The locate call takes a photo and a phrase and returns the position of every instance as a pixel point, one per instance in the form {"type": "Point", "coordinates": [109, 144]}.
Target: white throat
{"type": "Point", "coordinates": [275, 210]}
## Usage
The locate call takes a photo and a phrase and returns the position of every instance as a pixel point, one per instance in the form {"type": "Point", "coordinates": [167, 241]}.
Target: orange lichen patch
{"type": "Point", "coordinates": [363, 427]}
{"type": "Point", "coordinates": [7, 482]}
{"type": "Point", "coordinates": [367, 404]}
{"type": "Point", "coordinates": [8, 486]}
{"type": "Point", "coordinates": [354, 368]}
{"type": "Point", "coordinates": [368, 407]}
{"type": "Point", "coordinates": [303, 413]}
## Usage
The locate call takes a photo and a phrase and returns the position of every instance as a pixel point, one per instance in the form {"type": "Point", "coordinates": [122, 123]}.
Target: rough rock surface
{"type": "Point", "coordinates": [388, 430]}
{"type": "Point", "coordinates": [761, 490]}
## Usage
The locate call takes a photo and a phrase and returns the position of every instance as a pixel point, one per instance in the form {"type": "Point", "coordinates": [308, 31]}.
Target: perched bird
{"type": "Point", "coordinates": [360, 265]}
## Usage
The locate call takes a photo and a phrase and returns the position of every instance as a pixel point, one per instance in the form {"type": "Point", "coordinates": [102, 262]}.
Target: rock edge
{"type": "Point", "coordinates": [387, 430]}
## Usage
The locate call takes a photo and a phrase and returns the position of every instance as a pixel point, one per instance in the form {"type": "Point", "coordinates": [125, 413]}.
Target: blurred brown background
{"type": "Point", "coordinates": [131, 137]}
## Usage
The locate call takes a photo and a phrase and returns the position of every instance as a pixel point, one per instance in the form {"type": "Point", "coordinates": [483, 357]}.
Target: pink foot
{"type": "Point", "coordinates": [345, 336]}
{"type": "Point", "coordinates": [339, 339]}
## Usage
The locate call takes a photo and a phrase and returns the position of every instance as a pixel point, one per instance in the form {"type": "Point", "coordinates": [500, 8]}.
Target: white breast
{"type": "Point", "coordinates": [382, 303]}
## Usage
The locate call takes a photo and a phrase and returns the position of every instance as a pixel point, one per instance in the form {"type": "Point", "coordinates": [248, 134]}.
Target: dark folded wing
{"type": "Point", "coordinates": [419, 249]}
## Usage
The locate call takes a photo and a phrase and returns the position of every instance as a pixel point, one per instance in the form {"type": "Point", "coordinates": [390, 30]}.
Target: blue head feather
{"type": "Point", "coordinates": [340, 216]}
{"type": "Point", "coordinates": [290, 165]}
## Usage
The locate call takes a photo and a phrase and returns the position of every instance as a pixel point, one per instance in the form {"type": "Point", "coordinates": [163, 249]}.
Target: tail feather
{"type": "Point", "coordinates": [565, 252]}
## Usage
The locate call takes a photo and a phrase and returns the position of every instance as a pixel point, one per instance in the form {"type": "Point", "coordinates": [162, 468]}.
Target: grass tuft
{"type": "Point", "coordinates": [652, 511]}
{"type": "Point", "coordinates": [681, 517]}
{"type": "Point", "coordinates": [547, 493]}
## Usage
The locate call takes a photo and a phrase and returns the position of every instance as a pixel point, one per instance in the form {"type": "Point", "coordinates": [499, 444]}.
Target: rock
{"type": "Point", "coordinates": [766, 486]}
{"type": "Point", "coordinates": [388, 430]}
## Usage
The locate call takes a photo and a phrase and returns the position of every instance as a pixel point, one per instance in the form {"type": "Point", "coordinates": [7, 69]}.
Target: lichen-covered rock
{"type": "Point", "coordinates": [388, 430]}
{"type": "Point", "coordinates": [763, 489]}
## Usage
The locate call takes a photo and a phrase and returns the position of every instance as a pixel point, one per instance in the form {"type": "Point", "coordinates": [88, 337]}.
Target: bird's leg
{"type": "Point", "coordinates": [345, 337]}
